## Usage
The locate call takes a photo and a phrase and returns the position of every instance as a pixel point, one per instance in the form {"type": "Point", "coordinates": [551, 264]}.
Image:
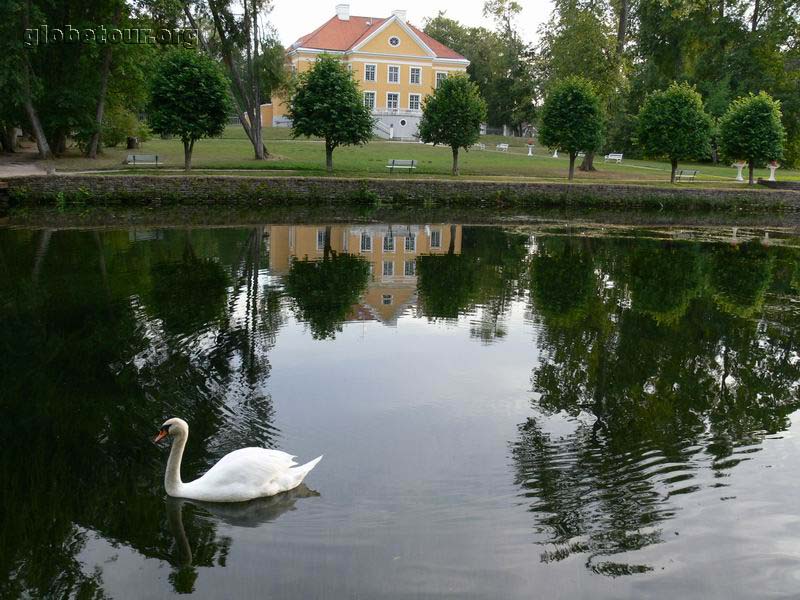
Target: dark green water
{"type": "Point", "coordinates": [504, 413]}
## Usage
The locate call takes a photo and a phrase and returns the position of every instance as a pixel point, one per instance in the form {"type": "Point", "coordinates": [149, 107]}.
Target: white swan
{"type": "Point", "coordinates": [239, 476]}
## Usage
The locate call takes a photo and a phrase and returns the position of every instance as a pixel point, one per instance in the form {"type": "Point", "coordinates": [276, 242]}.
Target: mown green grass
{"type": "Point", "coordinates": [233, 152]}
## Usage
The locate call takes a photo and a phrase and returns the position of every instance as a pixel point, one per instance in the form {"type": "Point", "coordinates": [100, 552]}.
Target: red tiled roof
{"type": "Point", "coordinates": [339, 35]}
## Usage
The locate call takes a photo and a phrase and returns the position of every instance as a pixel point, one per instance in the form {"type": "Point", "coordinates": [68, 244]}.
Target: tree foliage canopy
{"type": "Point", "coordinates": [752, 129]}
{"type": "Point", "coordinates": [452, 115]}
{"type": "Point", "coordinates": [673, 123]}
{"type": "Point", "coordinates": [328, 103]}
{"type": "Point", "coordinates": [572, 119]}
{"type": "Point", "coordinates": [188, 97]}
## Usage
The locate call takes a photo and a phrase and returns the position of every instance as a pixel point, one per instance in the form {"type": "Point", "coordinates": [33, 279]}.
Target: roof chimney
{"type": "Point", "coordinates": [400, 14]}
{"type": "Point", "coordinates": [343, 12]}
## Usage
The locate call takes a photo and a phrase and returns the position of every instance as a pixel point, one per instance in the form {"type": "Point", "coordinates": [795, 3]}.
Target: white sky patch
{"type": "Point", "coordinates": [292, 18]}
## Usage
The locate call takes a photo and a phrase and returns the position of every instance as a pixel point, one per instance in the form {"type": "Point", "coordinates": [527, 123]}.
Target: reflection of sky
{"type": "Point", "coordinates": [417, 486]}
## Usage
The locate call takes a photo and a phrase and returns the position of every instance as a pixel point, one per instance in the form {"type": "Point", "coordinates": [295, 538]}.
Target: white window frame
{"type": "Point", "coordinates": [387, 299]}
{"type": "Point", "coordinates": [396, 95]}
{"type": "Point", "coordinates": [389, 247]}
{"type": "Point", "coordinates": [389, 74]}
{"type": "Point", "coordinates": [444, 75]}
{"type": "Point", "coordinates": [390, 265]}
{"type": "Point", "coordinates": [375, 72]}
{"type": "Point", "coordinates": [419, 102]}
{"type": "Point", "coordinates": [320, 242]}
{"type": "Point", "coordinates": [438, 245]}
{"type": "Point", "coordinates": [411, 75]}
{"type": "Point", "coordinates": [367, 247]}
{"type": "Point", "coordinates": [394, 37]}
{"type": "Point", "coordinates": [413, 269]}
{"type": "Point", "coordinates": [413, 238]}
{"type": "Point", "coordinates": [374, 98]}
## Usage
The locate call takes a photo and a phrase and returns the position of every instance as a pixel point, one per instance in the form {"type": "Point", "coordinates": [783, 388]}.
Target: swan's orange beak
{"type": "Point", "coordinates": [159, 436]}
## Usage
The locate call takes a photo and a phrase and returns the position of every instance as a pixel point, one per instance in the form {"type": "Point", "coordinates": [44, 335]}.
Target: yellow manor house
{"type": "Point", "coordinates": [396, 66]}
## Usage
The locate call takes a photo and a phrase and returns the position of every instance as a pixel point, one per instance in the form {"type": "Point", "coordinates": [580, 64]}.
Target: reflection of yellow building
{"type": "Point", "coordinates": [391, 251]}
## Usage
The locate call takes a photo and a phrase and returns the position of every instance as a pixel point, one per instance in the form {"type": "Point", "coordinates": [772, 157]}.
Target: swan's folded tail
{"type": "Point", "coordinates": [303, 470]}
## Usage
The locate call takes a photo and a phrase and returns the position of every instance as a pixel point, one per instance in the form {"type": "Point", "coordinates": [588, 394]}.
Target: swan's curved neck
{"type": "Point", "coordinates": [172, 477]}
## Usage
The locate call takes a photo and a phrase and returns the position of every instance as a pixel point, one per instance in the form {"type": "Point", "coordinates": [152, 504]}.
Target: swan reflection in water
{"type": "Point", "coordinates": [237, 514]}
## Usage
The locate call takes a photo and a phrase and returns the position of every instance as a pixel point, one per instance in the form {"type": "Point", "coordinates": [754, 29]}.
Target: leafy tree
{"type": "Point", "coordinates": [752, 130]}
{"type": "Point", "coordinates": [328, 104]}
{"type": "Point", "coordinates": [188, 99]}
{"type": "Point", "coordinates": [673, 123]}
{"type": "Point", "coordinates": [452, 115]}
{"type": "Point", "coordinates": [572, 119]}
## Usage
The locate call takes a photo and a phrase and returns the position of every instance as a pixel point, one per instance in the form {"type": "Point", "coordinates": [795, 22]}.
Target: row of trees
{"type": "Point", "coordinates": [672, 123]}
{"type": "Point", "coordinates": [95, 93]}
{"type": "Point", "coordinates": [630, 48]}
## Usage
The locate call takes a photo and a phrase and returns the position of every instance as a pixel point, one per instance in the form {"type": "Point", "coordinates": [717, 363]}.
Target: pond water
{"type": "Point", "coordinates": [504, 412]}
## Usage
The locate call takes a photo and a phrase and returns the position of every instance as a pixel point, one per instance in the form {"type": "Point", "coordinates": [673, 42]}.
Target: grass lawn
{"type": "Point", "coordinates": [232, 151]}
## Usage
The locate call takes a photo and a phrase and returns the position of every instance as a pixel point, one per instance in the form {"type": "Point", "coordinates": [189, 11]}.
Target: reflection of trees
{"type": "Point", "coordinates": [656, 373]}
{"type": "Point", "coordinates": [96, 353]}
{"type": "Point", "coordinates": [485, 276]}
{"type": "Point", "coordinates": [324, 290]}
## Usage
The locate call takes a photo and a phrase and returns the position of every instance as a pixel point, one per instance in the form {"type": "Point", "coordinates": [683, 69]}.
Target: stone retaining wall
{"type": "Point", "coordinates": [139, 190]}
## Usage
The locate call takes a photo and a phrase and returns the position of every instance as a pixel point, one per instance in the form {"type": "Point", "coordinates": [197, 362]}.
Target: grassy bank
{"type": "Point", "coordinates": [233, 152]}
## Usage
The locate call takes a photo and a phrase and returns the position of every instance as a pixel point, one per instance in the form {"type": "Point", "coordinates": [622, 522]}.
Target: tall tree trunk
{"type": "Point", "coordinates": [258, 144]}
{"type": "Point", "coordinates": [622, 26]}
{"type": "Point", "coordinates": [751, 168]}
{"type": "Point", "coordinates": [455, 160]}
{"type": "Point", "coordinates": [451, 249]}
{"type": "Point", "coordinates": [94, 142]}
{"type": "Point", "coordinates": [674, 164]}
{"type": "Point", "coordinates": [588, 162]}
{"type": "Point", "coordinates": [328, 250]}
{"type": "Point", "coordinates": [233, 70]}
{"type": "Point", "coordinates": [329, 156]}
{"type": "Point", "coordinates": [188, 147]}
{"type": "Point", "coordinates": [572, 165]}
{"type": "Point", "coordinates": [756, 15]}
{"type": "Point", "coordinates": [27, 98]}
{"type": "Point", "coordinates": [8, 138]}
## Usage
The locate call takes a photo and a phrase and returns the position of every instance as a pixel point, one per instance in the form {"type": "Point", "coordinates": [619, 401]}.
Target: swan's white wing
{"type": "Point", "coordinates": [241, 474]}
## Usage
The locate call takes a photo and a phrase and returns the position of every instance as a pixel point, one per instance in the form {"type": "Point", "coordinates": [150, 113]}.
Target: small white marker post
{"type": "Point", "coordinates": [739, 166]}
{"type": "Point", "coordinates": [555, 153]}
{"type": "Point", "coordinates": [530, 149]}
{"type": "Point", "coordinates": [773, 166]}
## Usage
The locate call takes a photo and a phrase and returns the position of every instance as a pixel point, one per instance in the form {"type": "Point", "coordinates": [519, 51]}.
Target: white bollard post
{"type": "Point", "coordinates": [530, 150]}
{"type": "Point", "coordinates": [555, 153]}
{"type": "Point", "coordinates": [773, 166]}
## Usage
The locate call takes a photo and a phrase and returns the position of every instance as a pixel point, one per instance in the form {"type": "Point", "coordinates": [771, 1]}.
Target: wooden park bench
{"type": "Point", "coordinates": [686, 175]}
{"type": "Point", "coordinates": [502, 147]}
{"type": "Point", "coordinates": [616, 157]}
{"type": "Point", "coordinates": [143, 159]}
{"type": "Point", "coordinates": [401, 164]}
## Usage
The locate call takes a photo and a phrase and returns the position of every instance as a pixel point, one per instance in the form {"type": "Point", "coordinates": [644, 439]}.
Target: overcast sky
{"type": "Point", "coordinates": [294, 18]}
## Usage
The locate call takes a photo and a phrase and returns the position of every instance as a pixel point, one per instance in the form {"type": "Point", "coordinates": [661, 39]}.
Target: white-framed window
{"type": "Point", "coordinates": [320, 239]}
{"type": "Point", "coordinates": [440, 77]}
{"type": "Point", "coordinates": [394, 74]}
{"type": "Point", "coordinates": [366, 242]}
{"type": "Point", "coordinates": [388, 268]}
{"type": "Point", "coordinates": [394, 41]}
{"type": "Point", "coordinates": [369, 100]}
{"type": "Point", "coordinates": [410, 268]}
{"type": "Point", "coordinates": [414, 102]}
{"type": "Point", "coordinates": [415, 76]}
{"type": "Point", "coordinates": [392, 101]}
{"type": "Point", "coordinates": [411, 242]}
{"type": "Point", "coordinates": [387, 299]}
{"type": "Point", "coordinates": [388, 243]}
{"type": "Point", "coordinates": [436, 238]}
{"type": "Point", "coordinates": [370, 72]}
